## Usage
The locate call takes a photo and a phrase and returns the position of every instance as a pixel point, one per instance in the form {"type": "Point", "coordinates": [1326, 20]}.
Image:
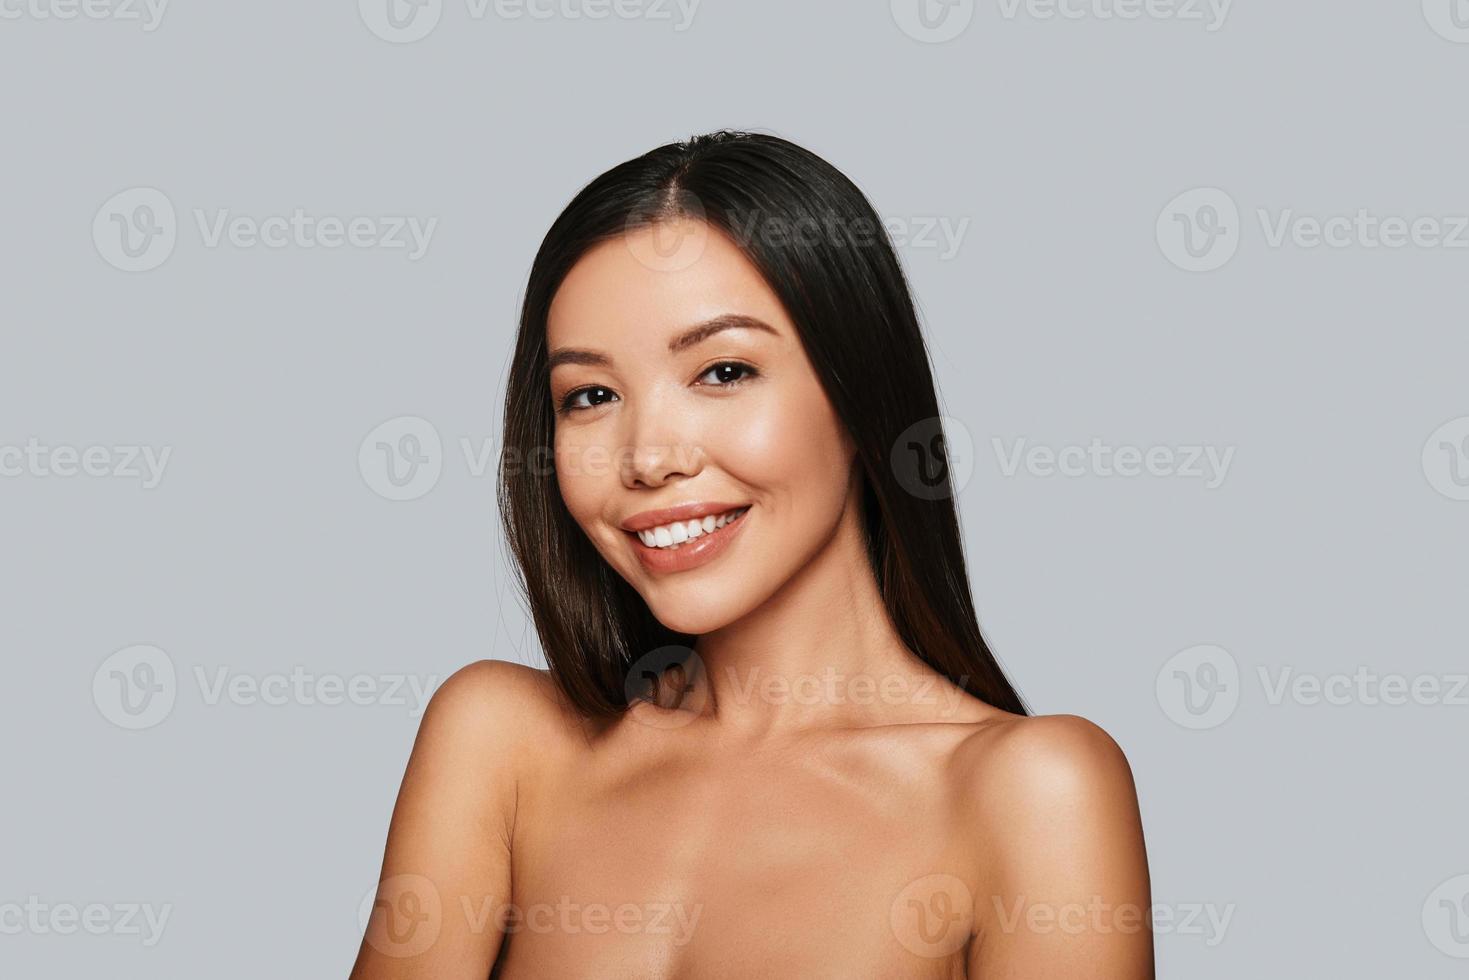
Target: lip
{"type": "Point", "coordinates": [682, 512]}
{"type": "Point", "coordinates": [695, 552]}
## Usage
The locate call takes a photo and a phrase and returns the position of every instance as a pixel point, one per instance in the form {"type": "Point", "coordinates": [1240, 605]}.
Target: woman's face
{"type": "Point", "coordinates": [681, 384]}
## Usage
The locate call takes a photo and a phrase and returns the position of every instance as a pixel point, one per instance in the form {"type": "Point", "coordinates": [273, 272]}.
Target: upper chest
{"type": "Point", "coordinates": [821, 859]}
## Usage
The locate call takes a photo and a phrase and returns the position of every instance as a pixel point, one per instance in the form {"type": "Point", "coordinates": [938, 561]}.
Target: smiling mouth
{"type": "Point", "coordinates": [673, 536]}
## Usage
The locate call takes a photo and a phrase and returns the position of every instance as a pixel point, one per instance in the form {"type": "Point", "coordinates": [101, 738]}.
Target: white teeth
{"type": "Point", "coordinates": [669, 535]}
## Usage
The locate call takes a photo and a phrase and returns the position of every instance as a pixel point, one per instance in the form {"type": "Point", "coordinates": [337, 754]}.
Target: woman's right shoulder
{"type": "Point", "coordinates": [489, 728]}
{"type": "Point", "coordinates": [498, 706]}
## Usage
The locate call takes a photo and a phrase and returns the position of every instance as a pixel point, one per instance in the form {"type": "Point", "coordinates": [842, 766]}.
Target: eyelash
{"type": "Point", "coordinates": [566, 406]}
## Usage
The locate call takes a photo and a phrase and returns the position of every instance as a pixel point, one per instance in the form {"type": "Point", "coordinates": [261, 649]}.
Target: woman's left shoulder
{"type": "Point", "coordinates": [1043, 765]}
{"type": "Point", "coordinates": [1050, 820]}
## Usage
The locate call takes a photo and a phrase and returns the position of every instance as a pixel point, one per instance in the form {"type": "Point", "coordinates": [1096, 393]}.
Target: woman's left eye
{"type": "Point", "coordinates": [728, 373]}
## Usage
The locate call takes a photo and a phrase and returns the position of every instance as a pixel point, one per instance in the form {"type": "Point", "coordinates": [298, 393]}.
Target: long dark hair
{"type": "Point", "coordinates": [843, 288]}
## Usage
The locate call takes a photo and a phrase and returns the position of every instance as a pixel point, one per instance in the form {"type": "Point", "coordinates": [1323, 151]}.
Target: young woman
{"type": "Point", "coordinates": [771, 741]}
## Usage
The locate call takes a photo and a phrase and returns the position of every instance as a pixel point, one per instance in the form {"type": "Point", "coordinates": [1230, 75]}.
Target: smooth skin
{"type": "Point", "coordinates": [822, 803]}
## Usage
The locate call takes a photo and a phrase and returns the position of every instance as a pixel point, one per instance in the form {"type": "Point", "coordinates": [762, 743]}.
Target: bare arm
{"type": "Point", "coordinates": [1071, 891]}
{"type": "Point", "coordinates": [446, 870]}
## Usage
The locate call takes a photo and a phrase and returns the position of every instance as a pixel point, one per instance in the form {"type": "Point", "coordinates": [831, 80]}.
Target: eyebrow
{"type": "Point", "coordinates": [691, 337]}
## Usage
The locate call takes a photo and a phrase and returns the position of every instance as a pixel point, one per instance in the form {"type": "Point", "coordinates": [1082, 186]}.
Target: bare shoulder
{"type": "Point", "coordinates": [497, 704]}
{"type": "Point", "coordinates": [495, 721]}
{"type": "Point", "coordinates": [487, 725]}
{"type": "Point", "coordinates": [497, 683]}
{"type": "Point", "coordinates": [1055, 828]}
{"type": "Point", "coordinates": [453, 824]}
{"type": "Point", "coordinates": [1044, 759]}
{"type": "Point", "coordinates": [1043, 777]}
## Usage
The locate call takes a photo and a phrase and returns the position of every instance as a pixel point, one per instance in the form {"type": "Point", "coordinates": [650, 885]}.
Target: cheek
{"type": "Point", "coordinates": [791, 445]}
{"type": "Point", "coordinates": [583, 471]}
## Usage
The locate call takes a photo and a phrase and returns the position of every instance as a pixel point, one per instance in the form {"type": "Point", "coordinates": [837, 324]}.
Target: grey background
{"type": "Point", "coordinates": [265, 547]}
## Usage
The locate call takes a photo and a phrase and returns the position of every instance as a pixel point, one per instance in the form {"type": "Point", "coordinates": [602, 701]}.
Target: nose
{"type": "Point", "coordinates": [658, 447]}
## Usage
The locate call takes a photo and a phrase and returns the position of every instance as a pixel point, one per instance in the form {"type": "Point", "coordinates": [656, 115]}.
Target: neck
{"type": "Point", "coordinates": [821, 652]}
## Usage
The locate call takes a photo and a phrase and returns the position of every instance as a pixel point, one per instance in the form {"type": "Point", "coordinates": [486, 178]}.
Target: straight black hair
{"type": "Point", "coordinates": [824, 252]}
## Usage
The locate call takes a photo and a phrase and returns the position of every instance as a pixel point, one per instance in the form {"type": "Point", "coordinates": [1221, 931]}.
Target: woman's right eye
{"type": "Point", "coordinates": [595, 395]}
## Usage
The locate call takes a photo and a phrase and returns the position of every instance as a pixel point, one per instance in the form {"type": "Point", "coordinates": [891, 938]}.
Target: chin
{"type": "Point", "coordinates": [692, 615]}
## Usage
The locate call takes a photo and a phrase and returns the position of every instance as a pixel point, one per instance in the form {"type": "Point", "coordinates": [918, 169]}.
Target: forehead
{"type": "Point", "coordinates": [637, 290]}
